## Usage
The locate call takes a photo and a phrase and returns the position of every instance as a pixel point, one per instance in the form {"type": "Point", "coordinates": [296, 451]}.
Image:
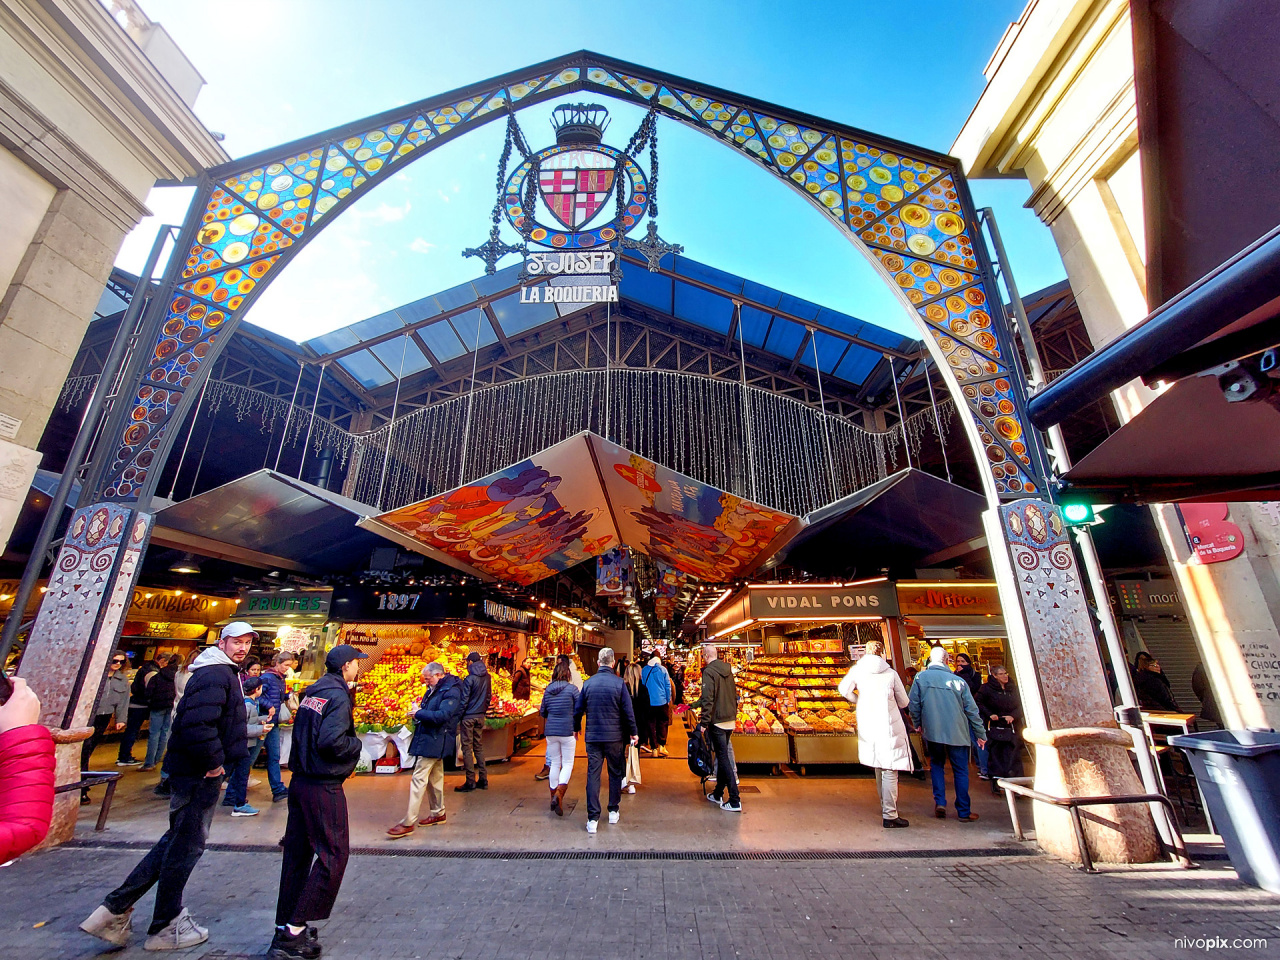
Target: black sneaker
{"type": "Point", "coordinates": [464, 787]}
{"type": "Point", "coordinates": [482, 784]}
{"type": "Point", "coordinates": [290, 946]}
{"type": "Point", "coordinates": [282, 795]}
{"type": "Point", "coordinates": [896, 822]}
{"type": "Point", "coordinates": [163, 789]}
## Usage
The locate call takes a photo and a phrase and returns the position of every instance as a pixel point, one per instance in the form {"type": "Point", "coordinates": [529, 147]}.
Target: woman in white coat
{"type": "Point", "coordinates": [877, 690]}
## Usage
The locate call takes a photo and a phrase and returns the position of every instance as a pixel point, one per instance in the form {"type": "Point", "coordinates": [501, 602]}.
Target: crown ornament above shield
{"type": "Point", "coordinates": [580, 195]}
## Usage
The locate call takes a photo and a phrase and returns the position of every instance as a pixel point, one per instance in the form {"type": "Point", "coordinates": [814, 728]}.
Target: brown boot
{"type": "Point", "coordinates": [559, 801]}
{"type": "Point", "coordinates": [555, 800]}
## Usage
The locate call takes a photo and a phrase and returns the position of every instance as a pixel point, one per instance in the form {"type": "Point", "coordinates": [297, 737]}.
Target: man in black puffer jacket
{"type": "Point", "coordinates": [477, 690]}
{"type": "Point", "coordinates": [317, 840]}
{"type": "Point", "coordinates": [209, 735]}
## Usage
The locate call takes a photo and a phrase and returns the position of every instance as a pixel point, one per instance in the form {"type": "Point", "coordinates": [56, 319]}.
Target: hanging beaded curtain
{"type": "Point", "coordinates": [689, 423]}
{"type": "Point", "coordinates": [692, 424]}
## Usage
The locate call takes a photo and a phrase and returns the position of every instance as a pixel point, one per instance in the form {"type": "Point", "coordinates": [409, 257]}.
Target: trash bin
{"type": "Point", "coordinates": [1239, 776]}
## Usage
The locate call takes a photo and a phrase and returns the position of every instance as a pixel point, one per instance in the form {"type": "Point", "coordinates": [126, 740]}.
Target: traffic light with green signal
{"type": "Point", "coordinates": [1078, 513]}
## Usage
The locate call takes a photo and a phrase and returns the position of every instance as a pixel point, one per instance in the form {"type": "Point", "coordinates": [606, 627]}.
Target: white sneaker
{"type": "Point", "coordinates": [591, 827]}
{"type": "Point", "coordinates": [255, 781]}
{"type": "Point", "coordinates": [631, 788]}
{"type": "Point", "coordinates": [111, 927]}
{"type": "Point", "coordinates": [614, 816]}
{"type": "Point", "coordinates": [181, 933]}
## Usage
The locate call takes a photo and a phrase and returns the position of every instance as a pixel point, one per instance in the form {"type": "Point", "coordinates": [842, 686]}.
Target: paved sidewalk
{"type": "Point", "coordinates": [994, 908]}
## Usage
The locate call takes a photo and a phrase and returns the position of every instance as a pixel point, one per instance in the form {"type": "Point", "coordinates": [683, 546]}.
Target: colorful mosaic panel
{"type": "Point", "coordinates": [899, 206]}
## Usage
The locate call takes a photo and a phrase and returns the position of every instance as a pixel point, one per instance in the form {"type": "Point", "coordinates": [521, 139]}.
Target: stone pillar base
{"type": "Point", "coordinates": [67, 746]}
{"type": "Point", "coordinates": [1091, 762]}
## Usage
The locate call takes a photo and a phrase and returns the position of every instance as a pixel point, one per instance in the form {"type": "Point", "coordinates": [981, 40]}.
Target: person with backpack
{"type": "Point", "coordinates": [477, 691]}
{"type": "Point", "coordinates": [161, 694]}
{"type": "Point", "coordinates": [660, 688]}
{"type": "Point", "coordinates": [273, 704]}
{"type": "Point", "coordinates": [943, 706]}
{"type": "Point", "coordinates": [138, 713]}
{"type": "Point", "coordinates": [718, 711]}
{"type": "Point", "coordinates": [435, 729]}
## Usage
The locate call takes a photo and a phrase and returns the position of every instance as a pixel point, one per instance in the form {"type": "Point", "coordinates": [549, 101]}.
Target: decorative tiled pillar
{"type": "Point", "coordinates": [1080, 749]}
{"type": "Point", "coordinates": [77, 628]}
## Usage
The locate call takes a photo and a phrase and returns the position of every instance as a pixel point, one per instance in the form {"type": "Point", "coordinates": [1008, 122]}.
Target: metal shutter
{"type": "Point", "coordinates": [1174, 646]}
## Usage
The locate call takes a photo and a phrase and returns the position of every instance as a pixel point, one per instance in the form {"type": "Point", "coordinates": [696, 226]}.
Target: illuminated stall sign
{"type": "Point", "coordinates": [822, 602]}
{"type": "Point", "coordinates": [313, 604]}
{"type": "Point", "coordinates": [948, 599]}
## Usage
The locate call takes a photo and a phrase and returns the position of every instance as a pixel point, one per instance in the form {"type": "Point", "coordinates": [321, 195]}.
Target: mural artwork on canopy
{"type": "Point", "coordinates": [908, 207]}
{"type": "Point", "coordinates": [689, 526]}
{"type": "Point", "coordinates": [523, 523]}
{"type": "Point", "coordinates": [557, 508]}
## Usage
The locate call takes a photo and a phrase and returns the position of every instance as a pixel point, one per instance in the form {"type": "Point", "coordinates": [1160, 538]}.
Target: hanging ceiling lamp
{"type": "Point", "coordinates": [185, 564]}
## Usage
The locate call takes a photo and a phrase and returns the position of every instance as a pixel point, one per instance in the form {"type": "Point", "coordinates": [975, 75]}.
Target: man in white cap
{"type": "Point", "coordinates": [208, 736]}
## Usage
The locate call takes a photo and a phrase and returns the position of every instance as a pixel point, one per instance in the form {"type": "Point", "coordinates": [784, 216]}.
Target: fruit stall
{"type": "Point", "coordinates": [390, 686]}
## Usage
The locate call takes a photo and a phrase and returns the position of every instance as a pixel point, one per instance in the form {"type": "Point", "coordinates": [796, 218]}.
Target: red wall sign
{"type": "Point", "coordinates": [1213, 538]}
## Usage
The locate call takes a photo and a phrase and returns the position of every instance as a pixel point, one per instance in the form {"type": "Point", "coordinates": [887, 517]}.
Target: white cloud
{"type": "Point", "coordinates": [383, 213]}
{"type": "Point", "coordinates": [442, 195]}
{"type": "Point", "coordinates": [419, 245]}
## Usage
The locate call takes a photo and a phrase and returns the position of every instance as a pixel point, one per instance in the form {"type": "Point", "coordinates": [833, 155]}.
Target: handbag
{"type": "Point", "coordinates": [1001, 734]}
{"type": "Point", "coordinates": [633, 765]}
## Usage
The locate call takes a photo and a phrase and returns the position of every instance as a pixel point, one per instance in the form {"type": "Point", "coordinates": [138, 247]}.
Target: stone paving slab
{"type": "Point", "coordinates": [905, 909]}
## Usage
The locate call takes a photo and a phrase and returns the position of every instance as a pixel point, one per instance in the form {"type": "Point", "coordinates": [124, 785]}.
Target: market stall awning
{"type": "Point", "coordinates": [894, 523]}
{"type": "Point", "coordinates": [266, 519]}
{"type": "Point", "coordinates": [1189, 443]}
{"type": "Point", "coordinates": [577, 499]}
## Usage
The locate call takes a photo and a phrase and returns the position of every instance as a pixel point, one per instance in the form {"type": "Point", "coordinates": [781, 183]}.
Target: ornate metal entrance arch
{"type": "Point", "coordinates": [907, 209]}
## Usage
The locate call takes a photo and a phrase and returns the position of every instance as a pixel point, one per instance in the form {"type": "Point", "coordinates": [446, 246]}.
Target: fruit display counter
{"type": "Point", "coordinates": [391, 689]}
{"type": "Point", "coordinates": [794, 696]}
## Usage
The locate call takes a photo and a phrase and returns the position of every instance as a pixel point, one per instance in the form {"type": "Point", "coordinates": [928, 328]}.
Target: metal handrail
{"type": "Point", "coordinates": [1021, 787]}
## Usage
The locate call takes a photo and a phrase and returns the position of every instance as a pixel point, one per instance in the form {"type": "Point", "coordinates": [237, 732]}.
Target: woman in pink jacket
{"type": "Point", "coordinates": [26, 772]}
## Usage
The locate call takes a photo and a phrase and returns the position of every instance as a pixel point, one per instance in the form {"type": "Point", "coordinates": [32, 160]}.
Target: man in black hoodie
{"type": "Point", "coordinates": [477, 689]}
{"type": "Point", "coordinates": [317, 838]}
{"type": "Point", "coordinates": [718, 708]}
{"type": "Point", "coordinates": [209, 736]}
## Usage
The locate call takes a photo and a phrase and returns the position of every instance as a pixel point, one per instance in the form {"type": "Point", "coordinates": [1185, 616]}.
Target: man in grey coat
{"type": "Point", "coordinates": [943, 706]}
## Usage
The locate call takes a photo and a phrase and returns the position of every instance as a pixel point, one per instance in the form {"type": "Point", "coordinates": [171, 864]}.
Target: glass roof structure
{"type": "Point", "coordinates": [476, 314]}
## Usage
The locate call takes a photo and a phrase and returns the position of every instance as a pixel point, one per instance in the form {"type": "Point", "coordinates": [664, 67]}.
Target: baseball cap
{"type": "Point", "coordinates": [343, 654]}
{"type": "Point", "coordinates": [237, 629]}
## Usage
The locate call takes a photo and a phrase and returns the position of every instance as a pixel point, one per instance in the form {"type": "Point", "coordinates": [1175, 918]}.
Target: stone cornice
{"type": "Point", "coordinates": [101, 67]}
{"type": "Point", "coordinates": [1116, 126]}
{"type": "Point", "coordinates": [61, 161]}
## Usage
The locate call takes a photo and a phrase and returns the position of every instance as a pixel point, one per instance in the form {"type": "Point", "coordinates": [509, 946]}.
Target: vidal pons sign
{"type": "Point", "coordinates": [577, 201]}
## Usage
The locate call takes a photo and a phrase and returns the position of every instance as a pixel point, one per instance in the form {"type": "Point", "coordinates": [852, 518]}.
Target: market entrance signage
{"type": "Point", "coordinates": [822, 602]}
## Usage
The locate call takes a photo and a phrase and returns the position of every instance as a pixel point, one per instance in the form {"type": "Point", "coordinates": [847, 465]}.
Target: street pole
{"type": "Point", "coordinates": [88, 428]}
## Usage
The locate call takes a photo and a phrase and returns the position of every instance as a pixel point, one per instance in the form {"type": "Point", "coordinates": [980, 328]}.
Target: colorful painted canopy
{"type": "Point", "coordinates": [579, 498]}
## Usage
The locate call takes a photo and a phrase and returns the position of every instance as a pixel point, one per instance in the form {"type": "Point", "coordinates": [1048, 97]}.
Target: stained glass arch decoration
{"type": "Point", "coordinates": [906, 208]}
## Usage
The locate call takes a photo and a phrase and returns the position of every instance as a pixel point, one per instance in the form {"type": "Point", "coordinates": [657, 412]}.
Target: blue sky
{"type": "Point", "coordinates": [278, 70]}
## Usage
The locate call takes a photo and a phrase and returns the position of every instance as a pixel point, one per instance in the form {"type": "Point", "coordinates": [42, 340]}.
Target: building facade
{"type": "Point", "coordinates": [1061, 108]}
{"type": "Point", "coordinates": [95, 109]}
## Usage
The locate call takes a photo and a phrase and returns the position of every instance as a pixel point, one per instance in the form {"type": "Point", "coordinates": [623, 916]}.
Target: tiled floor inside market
{"type": "Point", "coordinates": [938, 889]}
